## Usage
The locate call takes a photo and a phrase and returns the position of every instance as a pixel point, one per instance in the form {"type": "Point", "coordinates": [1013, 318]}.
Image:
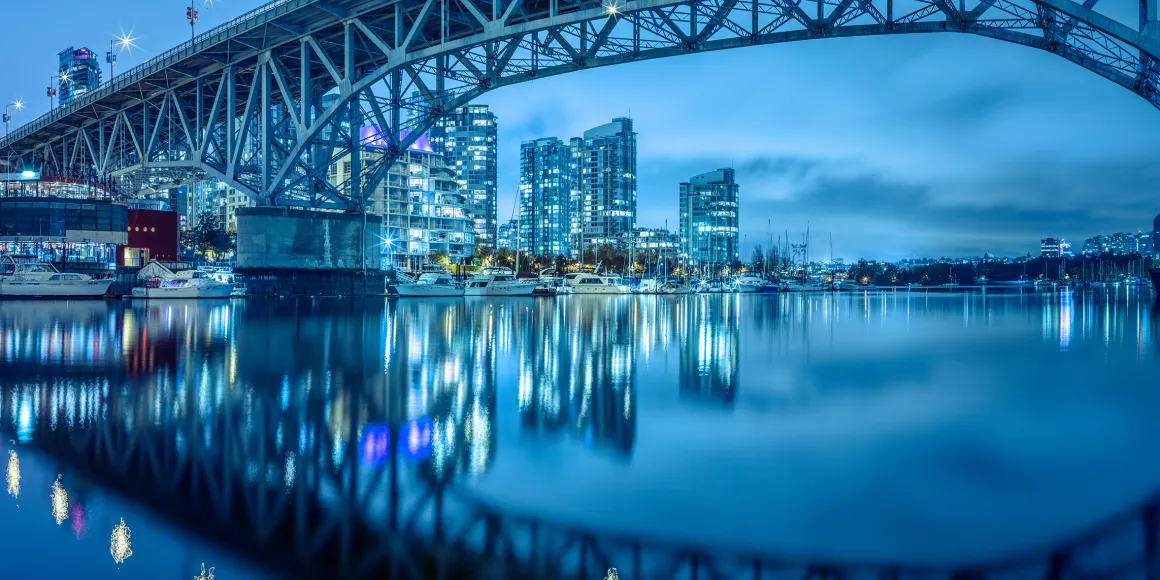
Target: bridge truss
{"type": "Point", "coordinates": [269, 102]}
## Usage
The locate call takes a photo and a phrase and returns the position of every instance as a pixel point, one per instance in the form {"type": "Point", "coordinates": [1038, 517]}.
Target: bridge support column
{"type": "Point", "coordinates": [1150, 17]}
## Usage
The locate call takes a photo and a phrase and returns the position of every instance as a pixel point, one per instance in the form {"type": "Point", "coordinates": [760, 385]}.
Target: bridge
{"type": "Point", "coordinates": [268, 101]}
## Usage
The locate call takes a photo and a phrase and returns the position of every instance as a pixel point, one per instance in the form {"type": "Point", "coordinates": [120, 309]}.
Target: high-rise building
{"type": "Point", "coordinates": [506, 238]}
{"type": "Point", "coordinates": [709, 221]}
{"type": "Point", "coordinates": [1156, 237]}
{"type": "Point", "coordinates": [467, 138]}
{"type": "Point", "coordinates": [607, 196]}
{"type": "Point", "coordinates": [1050, 247]}
{"type": "Point", "coordinates": [545, 197]}
{"type": "Point", "coordinates": [80, 72]}
{"type": "Point", "coordinates": [424, 210]}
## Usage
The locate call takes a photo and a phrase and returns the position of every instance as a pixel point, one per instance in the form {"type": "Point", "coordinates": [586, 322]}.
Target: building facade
{"type": "Point", "coordinates": [709, 223]}
{"type": "Point", "coordinates": [424, 210]}
{"type": "Point", "coordinates": [606, 201]}
{"type": "Point", "coordinates": [80, 72]}
{"type": "Point", "coordinates": [506, 237]}
{"type": "Point", "coordinates": [546, 188]}
{"type": "Point", "coordinates": [1050, 247]}
{"type": "Point", "coordinates": [467, 137]}
{"type": "Point", "coordinates": [1156, 237]}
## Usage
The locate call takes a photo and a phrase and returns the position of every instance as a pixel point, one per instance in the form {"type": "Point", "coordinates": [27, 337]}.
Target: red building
{"type": "Point", "coordinates": [153, 235]}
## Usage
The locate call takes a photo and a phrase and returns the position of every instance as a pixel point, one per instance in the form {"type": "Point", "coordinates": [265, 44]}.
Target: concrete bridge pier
{"type": "Point", "coordinates": [291, 252]}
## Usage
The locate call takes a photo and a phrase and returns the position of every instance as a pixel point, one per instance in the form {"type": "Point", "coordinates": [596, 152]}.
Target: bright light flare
{"type": "Point", "coordinates": [125, 42]}
{"type": "Point", "coordinates": [59, 502]}
{"type": "Point", "coordinates": [19, 104]}
{"type": "Point", "coordinates": [64, 78]}
{"type": "Point", "coordinates": [13, 474]}
{"type": "Point", "coordinates": [121, 545]}
{"type": "Point", "coordinates": [611, 7]}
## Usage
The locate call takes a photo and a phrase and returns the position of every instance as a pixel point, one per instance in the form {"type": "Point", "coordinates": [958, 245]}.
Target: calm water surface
{"type": "Point", "coordinates": [900, 426]}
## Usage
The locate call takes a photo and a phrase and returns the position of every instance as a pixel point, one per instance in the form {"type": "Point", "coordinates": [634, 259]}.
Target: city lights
{"type": "Point", "coordinates": [13, 474]}
{"type": "Point", "coordinates": [121, 545]}
{"type": "Point", "coordinates": [59, 499]}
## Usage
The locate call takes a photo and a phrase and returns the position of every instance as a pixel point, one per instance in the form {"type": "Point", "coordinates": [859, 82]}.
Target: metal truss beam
{"type": "Point", "coordinates": [271, 106]}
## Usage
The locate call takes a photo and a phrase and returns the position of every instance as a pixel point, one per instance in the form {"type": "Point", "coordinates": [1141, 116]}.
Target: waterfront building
{"type": "Point", "coordinates": [545, 197]}
{"type": "Point", "coordinates": [650, 239]}
{"type": "Point", "coordinates": [467, 137]}
{"type": "Point", "coordinates": [1050, 247]}
{"type": "Point", "coordinates": [1145, 244]}
{"type": "Point", "coordinates": [506, 237]}
{"type": "Point", "coordinates": [1156, 236]}
{"type": "Point", "coordinates": [234, 200]}
{"type": "Point", "coordinates": [424, 210]}
{"type": "Point", "coordinates": [80, 72]}
{"type": "Point", "coordinates": [606, 200]}
{"type": "Point", "coordinates": [709, 222]}
{"type": "Point", "coordinates": [1097, 245]}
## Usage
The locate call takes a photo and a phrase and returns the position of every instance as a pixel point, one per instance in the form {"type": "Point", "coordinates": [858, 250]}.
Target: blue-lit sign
{"type": "Point", "coordinates": [415, 435]}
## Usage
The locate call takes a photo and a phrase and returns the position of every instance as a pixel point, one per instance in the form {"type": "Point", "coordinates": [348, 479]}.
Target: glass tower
{"type": "Point", "coordinates": [80, 72]}
{"type": "Point", "coordinates": [607, 196]}
{"type": "Point", "coordinates": [709, 219]}
{"type": "Point", "coordinates": [546, 186]}
{"type": "Point", "coordinates": [467, 138]}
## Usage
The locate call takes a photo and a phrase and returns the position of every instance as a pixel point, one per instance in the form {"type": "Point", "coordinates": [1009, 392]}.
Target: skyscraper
{"type": "Point", "coordinates": [607, 196]}
{"type": "Point", "coordinates": [467, 138]}
{"type": "Point", "coordinates": [709, 204]}
{"type": "Point", "coordinates": [1156, 237]}
{"type": "Point", "coordinates": [546, 186]}
{"type": "Point", "coordinates": [80, 72]}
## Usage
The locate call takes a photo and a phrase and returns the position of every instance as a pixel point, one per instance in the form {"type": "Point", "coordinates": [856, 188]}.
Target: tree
{"type": "Point", "coordinates": [207, 236]}
{"type": "Point", "coordinates": [757, 262]}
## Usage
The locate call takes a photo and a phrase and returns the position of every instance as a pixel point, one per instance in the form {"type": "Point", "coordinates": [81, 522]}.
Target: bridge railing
{"type": "Point", "coordinates": [232, 27]}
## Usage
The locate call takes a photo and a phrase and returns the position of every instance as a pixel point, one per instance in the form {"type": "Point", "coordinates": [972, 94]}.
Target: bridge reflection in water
{"type": "Point", "coordinates": [325, 439]}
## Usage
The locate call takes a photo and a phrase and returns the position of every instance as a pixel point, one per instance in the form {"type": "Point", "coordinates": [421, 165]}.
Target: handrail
{"type": "Point", "coordinates": [165, 59]}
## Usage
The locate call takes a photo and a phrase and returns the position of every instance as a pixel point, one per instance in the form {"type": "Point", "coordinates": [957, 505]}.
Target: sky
{"type": "Point", "coordinates": [925, 145]}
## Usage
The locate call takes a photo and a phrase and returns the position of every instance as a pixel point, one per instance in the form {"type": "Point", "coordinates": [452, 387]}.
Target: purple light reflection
{"type": "Point", "coordinates": [372, 136]}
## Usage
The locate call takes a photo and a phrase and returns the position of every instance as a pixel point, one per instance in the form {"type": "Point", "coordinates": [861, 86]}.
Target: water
{"type": "Point", "coordinates": [926, 428]}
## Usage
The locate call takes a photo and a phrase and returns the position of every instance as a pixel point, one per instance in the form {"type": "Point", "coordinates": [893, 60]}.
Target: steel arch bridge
{"type": "Point", "coordinates": [267, 102]}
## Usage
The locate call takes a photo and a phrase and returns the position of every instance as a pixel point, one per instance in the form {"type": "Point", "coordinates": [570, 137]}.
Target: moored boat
{"type": "Point", "coordinates": [496, 285]}
{"type": "Point", "coordinates": [163, 283]}
{"type": "Point", "coordinates": [431, 285]}
{"type": "Point", "coordinates": [593, 284]}
{"type": "Point", "coordinates": [749, 283]}
{"type": "Point", "coordinates": [43, 280]}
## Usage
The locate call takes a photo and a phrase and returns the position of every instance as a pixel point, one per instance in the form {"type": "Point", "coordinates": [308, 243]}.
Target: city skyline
{"type": "Point", "coordinates": [1017, 145]}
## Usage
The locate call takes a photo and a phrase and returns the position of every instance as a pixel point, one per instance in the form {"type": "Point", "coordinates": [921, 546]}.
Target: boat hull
{"type": "Point", "coordinates": [1155, 275]}
{"type": "Point", "coordinates": [51, 289]}
{"type": "Point", "coordinates": [191, 293]}
{"type": "Point", "coordinates": [513, 290]}
{"type": "Point", "coordinates": [427, 291]}
{"type": "Point", "coordinates": [748, 289]}
{"type": "Point", "coordinates": [606, 290]}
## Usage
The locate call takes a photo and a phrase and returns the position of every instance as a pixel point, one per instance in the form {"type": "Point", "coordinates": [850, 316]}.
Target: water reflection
{"type": "Point", "coordinates": [465, 391]}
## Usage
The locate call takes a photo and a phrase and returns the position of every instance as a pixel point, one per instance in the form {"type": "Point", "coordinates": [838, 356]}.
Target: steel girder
{"type": "Point", "coordinates": [272, 111]}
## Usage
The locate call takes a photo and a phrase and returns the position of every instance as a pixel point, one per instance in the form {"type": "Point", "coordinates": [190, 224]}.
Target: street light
{"type": "Point", "coordinates": [111, 58]}
{"type": "Point", "coordinates": [124, 42]}
{"type": "Point", "coordinates": [18, 104]}
{"type": "Point", "coordinates": [52, 89]}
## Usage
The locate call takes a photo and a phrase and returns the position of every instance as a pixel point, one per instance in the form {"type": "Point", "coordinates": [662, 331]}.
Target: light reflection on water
{"type": "Point", "coordinates": [801, 424]}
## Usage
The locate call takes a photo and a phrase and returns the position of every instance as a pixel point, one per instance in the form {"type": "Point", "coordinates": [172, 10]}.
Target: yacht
{"type": "Point", "coordinates": [161, 283]}
{"type": "Point", "coordinates": [497, 285]}
{"type": "Point", "coordinates": [43, 280]}
{"type": "Point", "coordinates": [431, 285]}
{"type": "Point", "coordinates": [749, 283]}
{"type": "Point", "coordinates": [675, 288]}
{"type": "Point", "coordinates": [799, 286]}
{"type": "Point", "coordinates": [648, 286]}
{"type": "Point", "coordinates": [593, 284]}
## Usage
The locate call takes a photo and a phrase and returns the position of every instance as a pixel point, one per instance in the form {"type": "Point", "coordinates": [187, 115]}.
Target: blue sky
{"type": "Point", "coordinates": [939, 144]}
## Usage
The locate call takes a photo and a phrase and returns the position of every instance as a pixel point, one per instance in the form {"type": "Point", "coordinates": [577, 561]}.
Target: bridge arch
{"type": "Point", "coordinates": [267, 102]}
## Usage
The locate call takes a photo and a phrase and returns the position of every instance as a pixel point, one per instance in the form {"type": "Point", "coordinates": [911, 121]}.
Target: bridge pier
{"type": "Point", "coordinates": [288, 252]}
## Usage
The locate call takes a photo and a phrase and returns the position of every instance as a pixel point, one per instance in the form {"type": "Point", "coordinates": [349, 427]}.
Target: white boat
{"type": "Point", "coordinates": [43, 280]}
{"type": "Point", "coordinates": [799, 286]}
{"type": "Point", "coordinates": [649, 286]}
{"type": "Point", "coordinates": [593, 284]}
{"type": "Point", "coordinates": [749, 283]}
{"type": "Point", "coordinates": [674, 288]}
{"type": "Point", "coordinates": [162, 283]}
{"type": "Point", "coordinates": [496, 285]}
{"type": "Point", "coordinates": [429, 286]}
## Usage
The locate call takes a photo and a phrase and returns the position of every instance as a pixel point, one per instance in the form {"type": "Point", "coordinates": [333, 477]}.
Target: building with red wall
{"type": "Point", "coordinates": [153, 235]}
